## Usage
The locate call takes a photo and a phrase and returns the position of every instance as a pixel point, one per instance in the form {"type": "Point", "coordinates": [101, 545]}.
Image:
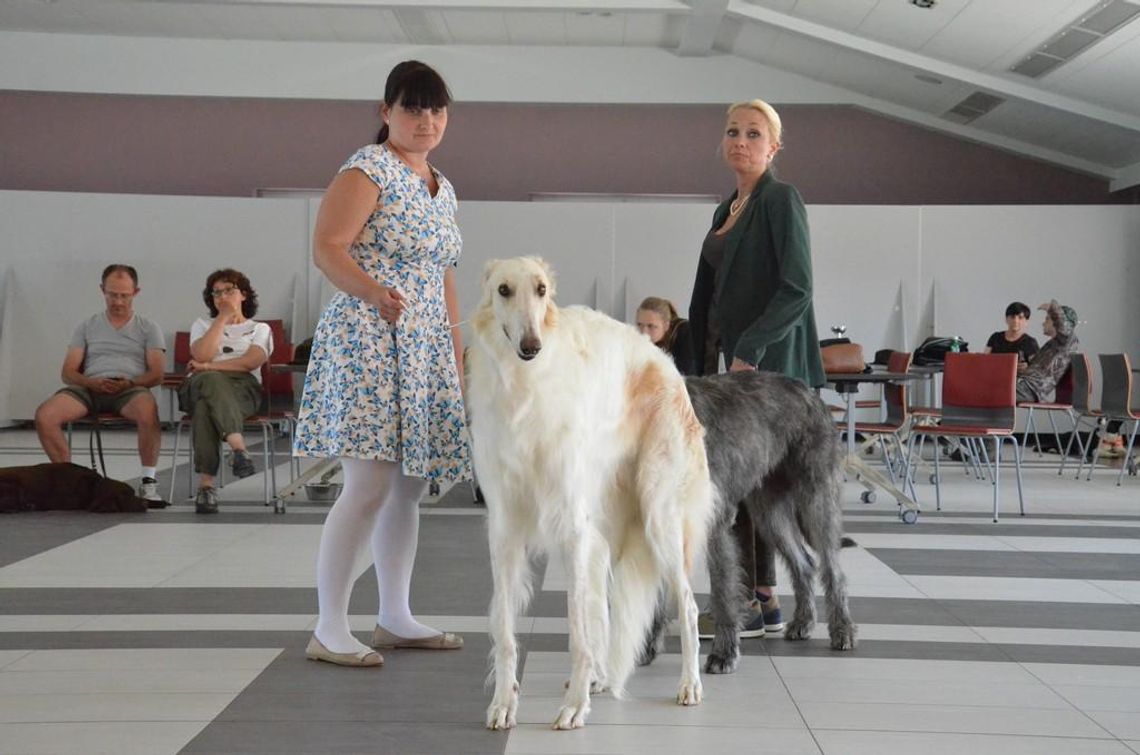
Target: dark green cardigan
{"type": "Point", "coordinates": [762, 291]}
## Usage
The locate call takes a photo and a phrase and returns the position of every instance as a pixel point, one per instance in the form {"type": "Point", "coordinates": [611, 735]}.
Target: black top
{"type": "Point", "coordinates": [1025, 347]}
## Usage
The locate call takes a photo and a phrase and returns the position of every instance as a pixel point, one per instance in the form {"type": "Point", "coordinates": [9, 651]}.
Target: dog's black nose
{"type": "Point", "coordinates": [529, 348]}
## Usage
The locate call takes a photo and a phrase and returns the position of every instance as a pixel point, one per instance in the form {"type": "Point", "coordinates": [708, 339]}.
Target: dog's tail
{"type": "Point", "coordinates": [636, 579]}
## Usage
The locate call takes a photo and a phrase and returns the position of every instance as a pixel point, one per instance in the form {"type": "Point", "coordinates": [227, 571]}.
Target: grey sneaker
{"type": "Point", "coordinates": [243, 465]}
{"type": "Point", "coordinates": [148, 491]}
{"type": "Point", "coordinates": [206, 501]}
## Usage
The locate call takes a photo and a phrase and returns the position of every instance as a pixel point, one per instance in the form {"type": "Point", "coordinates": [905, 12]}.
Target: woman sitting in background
{"type": "Point", "coordinates": [1014, 339]}
{"type": "Point", "coordinates": [224, 386]}
{"type": "Point", "coordinates": [658, 319]}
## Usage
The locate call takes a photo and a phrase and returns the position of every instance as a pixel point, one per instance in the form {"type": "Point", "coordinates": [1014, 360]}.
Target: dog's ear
{"type": "Point", "coordinates": [489, 270]}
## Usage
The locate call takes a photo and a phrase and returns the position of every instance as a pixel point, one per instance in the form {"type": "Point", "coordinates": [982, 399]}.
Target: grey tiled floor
{"type": "Point", "coordinates": [166, 632]}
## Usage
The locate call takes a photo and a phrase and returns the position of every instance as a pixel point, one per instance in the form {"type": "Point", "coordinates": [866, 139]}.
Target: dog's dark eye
{"type": "Point", "coordinates": [504, 289]}
{"type": "Point", "coordinates": [541, 289]}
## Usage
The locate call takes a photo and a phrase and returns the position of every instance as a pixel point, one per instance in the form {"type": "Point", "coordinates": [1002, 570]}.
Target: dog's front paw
{"type": "Point", "coordinates": [572, 714]}
{"type": "Point", "coordinates": [690, 692]}
{"type": "Point", "coordinates": [717, 663]}
{"type": "Point", "coordinates": [503, 708]}
{"type": "Point", "coordinates": [842, 636]}
{"type": "Point", "coordinates": [798, 630]}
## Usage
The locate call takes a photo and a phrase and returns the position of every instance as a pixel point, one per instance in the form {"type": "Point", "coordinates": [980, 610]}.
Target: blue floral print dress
{"type": "Point", "coordinates": [380, 391]}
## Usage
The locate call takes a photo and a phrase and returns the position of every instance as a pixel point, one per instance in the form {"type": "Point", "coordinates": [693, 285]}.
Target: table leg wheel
{"type": "Point", "coordinates": [867, 496]}
{"type": "Point", "coordinates": [933, 479]}
{"type": "Point", "coordinates": [909, 516]}
{"type": "Point", "coordinates": [278, 506]}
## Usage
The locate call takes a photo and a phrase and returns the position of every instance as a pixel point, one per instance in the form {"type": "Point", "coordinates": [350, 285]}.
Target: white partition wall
{"type": "Point", "coordinates": [876, 267]}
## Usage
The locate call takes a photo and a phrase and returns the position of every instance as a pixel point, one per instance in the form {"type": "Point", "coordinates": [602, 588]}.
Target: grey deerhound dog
{"type": "Point", "coordinates": [772, 445]}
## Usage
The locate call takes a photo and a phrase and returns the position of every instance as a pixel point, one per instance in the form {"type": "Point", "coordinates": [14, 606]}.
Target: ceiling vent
{"type": "Point", "coordinates": [974, 106]}
{"type": "Point", "coordinates": [1105, 18]}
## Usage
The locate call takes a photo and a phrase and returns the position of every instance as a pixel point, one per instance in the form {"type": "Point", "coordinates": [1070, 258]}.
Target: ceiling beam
{"type": "Point", "coordinates": [701, 27]}
{"type": "Point", "coordinates": [942, 68]}
{"type": "Point", "coordinates": [569, 6]}
{"type": "Point", "coordinates": [1126, 178]}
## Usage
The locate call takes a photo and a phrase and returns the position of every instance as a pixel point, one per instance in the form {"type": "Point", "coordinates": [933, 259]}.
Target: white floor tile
{"type": "Point", "coordinates": [126, 680]}
{"type": "Point", "coordinates": [1034, 636]}
{"type": "Point", "coordinates": [538, 739]}
{"type": "Point", "coordinates": [1012, 588]}
{"type": "Point", "coordinates": [855, 668]}
{"type": "Point", "coordinates": [950, 718]}
{"type": "Point", "coordinates": [110, 659]}
{"type": "Point", "coordinates": [928, 743]}
{"type": "Point", "coordinates": [1121, 724]}
{"type": "Point", "coordinates": [98, 738]}
{"type": "Point", "coordinates": [42, 623]}
{"type": "Point", "coordinates": [8, 657]}
{"type": "Point", "coordinates": [908, 692]}
{"type": "Point", "coordinates": [103, 706]}
{"type": "Point", "coordinates": [1055, 674]}
{"type": "Point", "coordinates": [1128, 590]}
{"type": "Point", "coordinates": [1089, 697]}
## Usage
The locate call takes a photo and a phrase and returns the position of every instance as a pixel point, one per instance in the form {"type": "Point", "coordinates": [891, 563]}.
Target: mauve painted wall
{"type": "Point", "coordinates": [493, 151]}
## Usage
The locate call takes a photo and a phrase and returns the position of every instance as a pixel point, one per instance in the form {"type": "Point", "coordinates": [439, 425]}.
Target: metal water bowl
{"type": "Point", "coordinates": [322, 492]}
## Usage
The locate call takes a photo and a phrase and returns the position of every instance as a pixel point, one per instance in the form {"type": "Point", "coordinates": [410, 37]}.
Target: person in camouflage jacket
{"type": "Point", "coordinates": [1038, 380]}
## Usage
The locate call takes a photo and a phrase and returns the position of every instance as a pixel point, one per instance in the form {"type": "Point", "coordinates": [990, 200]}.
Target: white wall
{"type": "Point", "coordinates": [876, 268]}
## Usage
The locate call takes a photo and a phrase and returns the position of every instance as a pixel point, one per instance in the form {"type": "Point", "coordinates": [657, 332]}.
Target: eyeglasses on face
{"type": "Point", "coordinates": [218, 293]}
{"type": "Point", "coordinates": [113, 296]}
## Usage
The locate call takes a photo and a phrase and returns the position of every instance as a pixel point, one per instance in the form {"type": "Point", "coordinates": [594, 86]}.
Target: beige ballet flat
{"type": "Point", "coordinates": [318, 652]}
{"type": "Point", "coordinates": [382, 638]}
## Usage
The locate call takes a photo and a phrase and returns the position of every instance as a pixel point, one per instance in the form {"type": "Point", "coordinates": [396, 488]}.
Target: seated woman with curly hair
{"type": "Point", "coordinates": [224, 386]}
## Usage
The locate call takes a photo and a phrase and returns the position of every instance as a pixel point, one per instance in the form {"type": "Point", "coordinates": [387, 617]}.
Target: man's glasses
{"type": "Point", "coordinates": [218, 293]}
{"type": "Point", "coordinates": [118, 297]}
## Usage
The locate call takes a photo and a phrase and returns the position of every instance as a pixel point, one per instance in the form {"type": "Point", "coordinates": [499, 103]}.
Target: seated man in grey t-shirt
{"type": "Point", "coordinates": [112, 362]}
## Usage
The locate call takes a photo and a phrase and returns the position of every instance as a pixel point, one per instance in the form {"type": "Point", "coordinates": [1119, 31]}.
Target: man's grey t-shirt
{"type": "Point", "coordinates": [116, 352]}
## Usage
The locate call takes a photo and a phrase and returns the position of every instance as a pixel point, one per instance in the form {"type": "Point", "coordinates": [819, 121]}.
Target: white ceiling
{"type": "Point", "coordinates": [1084, 113]}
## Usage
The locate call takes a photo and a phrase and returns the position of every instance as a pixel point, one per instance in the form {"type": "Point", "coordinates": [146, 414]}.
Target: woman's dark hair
{"type": "Point", "coordinates": [229, 275]}
{"type": "Point", "coordinates": [413, 84]}
{"type": "Point", "coordinates": [1018, 308]}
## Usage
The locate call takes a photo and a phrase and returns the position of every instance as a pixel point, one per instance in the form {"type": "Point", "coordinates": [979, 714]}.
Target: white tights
{"type": "Point", "coordinates": [379, 502]}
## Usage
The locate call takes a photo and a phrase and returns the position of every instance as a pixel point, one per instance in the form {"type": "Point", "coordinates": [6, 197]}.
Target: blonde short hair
{"type": "Point", "coordinates": [775, 127]}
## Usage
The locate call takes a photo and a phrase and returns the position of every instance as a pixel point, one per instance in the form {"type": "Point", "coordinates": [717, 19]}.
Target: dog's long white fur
{"type": "Point", "coordinates": [590, 447]}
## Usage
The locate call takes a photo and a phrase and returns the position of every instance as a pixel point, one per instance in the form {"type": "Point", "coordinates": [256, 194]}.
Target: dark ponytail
{"type": "Point", "coordinates": [382, 135]}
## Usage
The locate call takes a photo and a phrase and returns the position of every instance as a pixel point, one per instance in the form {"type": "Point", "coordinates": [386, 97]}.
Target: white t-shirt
{"type": "Point", "coordinates": [236, 340]}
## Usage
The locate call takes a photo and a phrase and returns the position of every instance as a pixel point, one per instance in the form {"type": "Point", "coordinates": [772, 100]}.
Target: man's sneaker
{"type": "Point", "coordinates": [148, 491]}
{"type": "Point", "coordinates": [206, 501]}
{"type": "Point", "coordinates": [773, 617]}
{"type": "Point", "coordinates": [753, 622]}
{"type": "Point", "coordinates": [243, 465]}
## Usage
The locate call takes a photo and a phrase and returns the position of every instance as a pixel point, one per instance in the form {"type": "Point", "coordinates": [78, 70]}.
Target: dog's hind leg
{"type": "Point", "coordinates": [655, 637]}
{"type": "Point", "coordinates": [728, 596]}
{"type": "Point", "coordinates": [510, 572]}
{"type": "Point", "coordinates": [775, 521]}
{"type": "Point", "coordinates": [822, 526]}
{"type": "Point", "coordinates": [636, 586]}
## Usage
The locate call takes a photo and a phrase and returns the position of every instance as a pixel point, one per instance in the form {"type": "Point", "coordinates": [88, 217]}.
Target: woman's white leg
{"type": "Point", "coordinates": [394, 541]}
{"type": "Point", "coordinates": [352, 517]}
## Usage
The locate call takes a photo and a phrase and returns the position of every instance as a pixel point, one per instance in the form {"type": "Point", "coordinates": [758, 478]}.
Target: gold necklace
{"type": "Point", "coordinates": [737, 205]}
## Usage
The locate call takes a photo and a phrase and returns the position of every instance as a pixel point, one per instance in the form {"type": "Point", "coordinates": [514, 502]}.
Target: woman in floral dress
{"type": "Point", "coordinates": [382, 392]}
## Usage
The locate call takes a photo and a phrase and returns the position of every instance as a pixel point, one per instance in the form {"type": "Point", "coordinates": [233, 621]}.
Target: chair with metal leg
{"type": "Point", "coordinates": [1116, 404]}
{"type": "Point", "coordinates": [1081, 369]}
{"type": "Point", "coordinates": [978, 403]}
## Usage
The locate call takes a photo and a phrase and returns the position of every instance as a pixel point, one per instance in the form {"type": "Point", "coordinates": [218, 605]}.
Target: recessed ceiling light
{"type": "Point", "coordinates": [927, 78]}
{"type": "Point", "coordinates": [922, 3]}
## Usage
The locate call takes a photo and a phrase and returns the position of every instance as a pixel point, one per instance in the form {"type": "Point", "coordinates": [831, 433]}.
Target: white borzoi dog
{"type": "Point", "coordinates": [584, 441]}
